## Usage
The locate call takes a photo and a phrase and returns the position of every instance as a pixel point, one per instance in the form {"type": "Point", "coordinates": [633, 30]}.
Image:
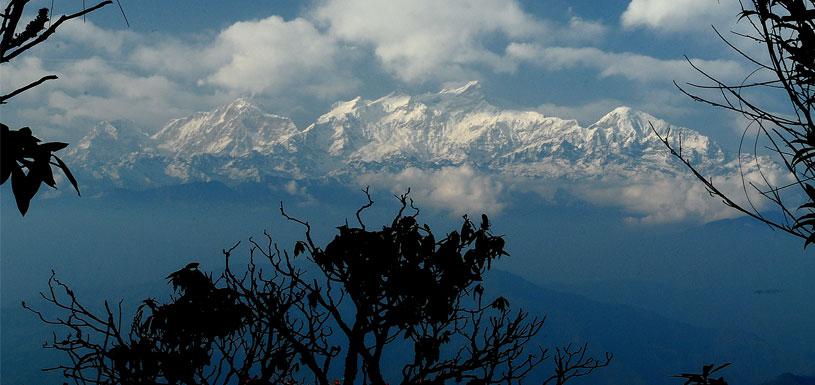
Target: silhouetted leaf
{"type": "Point", "coordinates": [53, 146]}
{"type": "Point", "coordinates": [7, 158]}
{"type": "Point", "coordinates": [485, 222]}
{"type": "Point", "coordinates": [299, 248]}
{"type": "Point", "coordinates": [478, 290]}
{"type": "Point", "coordinates": [500, 304]}
{"type": "Point", "coordinates": [21, 189]}
{"type": "Point", "coordinates": [313, 297]}
{"type": "Point", "coordinates": [810, 239]}
{"type": "Point", "coordinates": [68, 174]}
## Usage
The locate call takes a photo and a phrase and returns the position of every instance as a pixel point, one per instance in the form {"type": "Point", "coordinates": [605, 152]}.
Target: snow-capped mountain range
{"type": "Point", "coordinates": [240, 142]}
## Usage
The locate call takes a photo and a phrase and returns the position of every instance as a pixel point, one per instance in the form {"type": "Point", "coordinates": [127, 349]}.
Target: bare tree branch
{"type": "Point", "coordinates": [20, 90]}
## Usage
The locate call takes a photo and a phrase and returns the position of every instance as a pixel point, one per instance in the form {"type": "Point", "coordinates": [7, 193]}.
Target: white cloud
{"type": "Point", "coordinates": [89, 36]}
{"type": "Point", "coordinates": [106, 74]}
{"type": "Point", "coordinates": [269, 56]}
{"type": "Point", "coordinates": [660, 200]}
{"type": "Point", "coordinates": [672, 198]}
{"type": "Point", "coordinates": [458, 190]}
{"type": "Point", "coordinates": [273, 54]}
{"type": "Point", "coordinates": [173, 57]}
{"type": "Point", "coordinates": [632, 66]}
{"type": "Point", "coordinates": [419, 40]}
{"type": "Point", "coordinates": [646, 198]}
{"type": "Point", "coordinates": [679, 15]}
{"type": "Point", "coordinates": [97, 89]}
{"type": "Point", "coordinates": [582, 30]}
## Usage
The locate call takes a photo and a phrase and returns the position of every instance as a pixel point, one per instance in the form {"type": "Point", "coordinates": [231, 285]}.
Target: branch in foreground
{"type": "Point", "coordinates": [5, 57]}
{"type": "Point", "coordinates": [715, 191]}
{"type": "Point", "coordinates": [26, 88]}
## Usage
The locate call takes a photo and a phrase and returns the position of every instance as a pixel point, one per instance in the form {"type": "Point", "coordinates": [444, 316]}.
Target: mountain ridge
{"type": "Point", "coordinates": [456, 126]}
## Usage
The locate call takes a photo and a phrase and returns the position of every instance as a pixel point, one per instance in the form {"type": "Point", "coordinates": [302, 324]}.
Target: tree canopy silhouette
{"type": "Point", "coordinates": [24, 158]}
{"type": "Point", "coordinates": [397, 305]}
{"type": "Point", "coordinates": [784, 31]}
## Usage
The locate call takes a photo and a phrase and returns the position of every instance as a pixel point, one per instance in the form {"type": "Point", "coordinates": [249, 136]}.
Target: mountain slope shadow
{"type": "Point", "coordinates": [648, 348]}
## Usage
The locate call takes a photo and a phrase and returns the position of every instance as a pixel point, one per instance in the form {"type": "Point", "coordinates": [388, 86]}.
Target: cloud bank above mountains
{"type": "Point", "coordinates": [340, 48]}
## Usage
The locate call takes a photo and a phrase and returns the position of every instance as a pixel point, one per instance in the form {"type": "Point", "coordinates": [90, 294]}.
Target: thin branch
{"type": "Point", "coordinates": [365, 206]}
{"type": "Point", "coordinates": [18, 91]}
{"type": "Point", "coordinates": [715, 191]}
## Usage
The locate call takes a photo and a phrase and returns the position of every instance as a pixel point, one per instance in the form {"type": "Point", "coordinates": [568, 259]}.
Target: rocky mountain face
{"type": "Point", "coordinates": [239, 142]}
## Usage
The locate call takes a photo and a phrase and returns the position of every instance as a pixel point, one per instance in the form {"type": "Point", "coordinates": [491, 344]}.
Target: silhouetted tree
{"type": "Point", "coordinates": [784, 30]}
{"type": "Point", "coordinates": [174, 341]}
{"type": "Point", "coordinates": [385, 306]}
{"type": "Point", "coordinates": [23, 157]}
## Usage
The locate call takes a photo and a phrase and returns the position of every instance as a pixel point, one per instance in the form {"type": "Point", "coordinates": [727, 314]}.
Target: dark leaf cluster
{"type": "Point", "coordinates": [175, 339]}
{"type": "Point", "coordinates": [790, 26]}
{"type": "Point", "coordinates": [31, 30]}
{"type": "Point", "coordinates": [23, 158]}
{"type": "Point", "coordinates": [27, 162]}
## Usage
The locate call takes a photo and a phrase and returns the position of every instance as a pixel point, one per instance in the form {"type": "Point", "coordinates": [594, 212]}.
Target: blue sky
{"type": "Point", "coordinates": [572, 59]}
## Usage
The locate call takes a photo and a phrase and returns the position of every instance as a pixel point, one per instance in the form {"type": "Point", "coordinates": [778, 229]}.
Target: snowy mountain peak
{"type": "Point", "coordinates": [241, 103]}
{"type": "Point", "coordinates": [104, 129]}
{"type": "Point", "coordinates": [627, 122]}
{"type": "Point", "coordinates": [392, 101]}
{"type": "Point", "coordinates": [108, 143]}
{"type": "Point", "coordinates": [235, 129]}
{"type": "Point", "coordinates": [342, 108]}
{"type": "Point", "coordinates": [627, 128]}
{"type": "Point", "coordinates": [622, 111]}
{"type": "Point", "coordinates": [117, 134]}
{"type": "Point", "coordinates": [625, 114]}
{"type": "Point", "coordinates": [471, 87]}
